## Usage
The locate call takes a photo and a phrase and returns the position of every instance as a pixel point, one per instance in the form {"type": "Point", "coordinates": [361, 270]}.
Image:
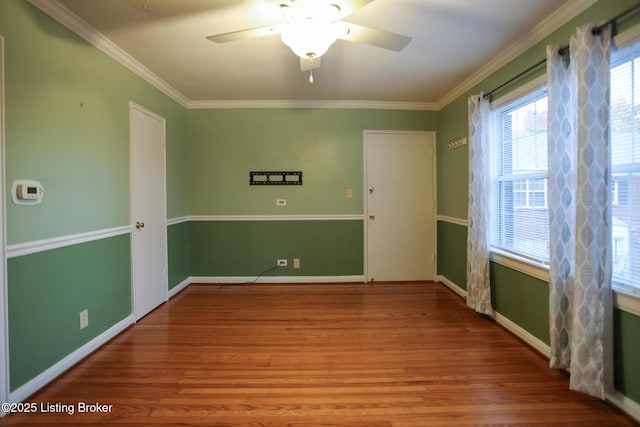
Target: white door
{"type": "Point", "coordinates": [148, 210]}
{"type": "Point", "coordinates": [400, 205]}
{"type": "Point", "coordinates": [4, 353]}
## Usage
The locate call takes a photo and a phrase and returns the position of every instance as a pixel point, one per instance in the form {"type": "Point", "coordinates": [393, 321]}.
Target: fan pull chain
{"type": "Point", "coordinates": [311, 55]}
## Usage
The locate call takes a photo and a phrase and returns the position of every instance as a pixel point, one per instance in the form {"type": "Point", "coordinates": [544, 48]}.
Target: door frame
{"type": "Point", "coordinates": [4, 302]}
{"type": "Point", "coordinates": [163, 190]}
{"type": "Point", "coordinates": [365, 221]}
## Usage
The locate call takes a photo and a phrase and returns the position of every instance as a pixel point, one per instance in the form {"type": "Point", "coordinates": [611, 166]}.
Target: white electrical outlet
{"type": "Point", "coordinates": [84, 319]}
{"type": "Point", "coordinates": [296, 263]}
{"type": "Point", "coordinates": [282, 263]}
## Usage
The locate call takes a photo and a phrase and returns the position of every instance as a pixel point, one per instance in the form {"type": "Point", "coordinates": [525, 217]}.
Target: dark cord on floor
{"type": "Point", "coordinates": [253, 281]}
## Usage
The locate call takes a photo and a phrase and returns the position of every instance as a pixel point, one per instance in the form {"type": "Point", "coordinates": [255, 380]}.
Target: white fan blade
{"type": "Point", "coordinates": [245, 34]}
{"type": "Point", "coordinates": [349, 6]}
{"type": "Point", "coordinates": [307, 64]}
{"type": "Point", "coordinates": [380, 38]}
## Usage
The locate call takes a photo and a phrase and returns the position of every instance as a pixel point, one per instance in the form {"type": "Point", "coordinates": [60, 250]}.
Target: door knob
{"type": "Point", "coordinates": [372, 216]}
{"type": "Point", "coordinates": [139, 225]}
{"type": "Point", "coordinates": [371, 189]}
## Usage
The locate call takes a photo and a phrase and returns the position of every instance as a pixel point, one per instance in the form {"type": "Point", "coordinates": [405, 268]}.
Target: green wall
{"type": "Point", "coordinates": [67, 126]}
{"type": "Point", "coordinates": [325, 144]}
{"type": "Point", "coordinates": [452, 178]}
{"type": "Point", "coordinates": [626, 349]}
{"type": "Point", "coordinates": [47, 292]}
{"type": "Point", "coordinates": [452, 252]}
{"type": "Point", "coordinates": [247, 248]}
{"type": "Point", "coordinates": [67, 116]}
{"type": "Point", "coordinates": [178, 253]}
{"type": "Point", "coordinates": [521, 298]}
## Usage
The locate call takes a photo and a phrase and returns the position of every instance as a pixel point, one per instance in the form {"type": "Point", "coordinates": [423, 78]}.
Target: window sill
{"type": "Point", "coordinates": [623, 298]}
{"type": "Point", "coordinates": [626, 300]}
{"type": "Point", "coordinates": [523, 265]}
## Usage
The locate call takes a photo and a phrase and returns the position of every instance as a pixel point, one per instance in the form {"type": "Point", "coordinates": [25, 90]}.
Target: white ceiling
{"type": "Point", "coordinates": [453, 41]}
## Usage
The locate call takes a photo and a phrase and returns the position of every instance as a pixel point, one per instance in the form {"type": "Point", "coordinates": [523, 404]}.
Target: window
{"type": "Point", "coordinates": [530, 193]}
{"type": "Point", "coordinates": [520, 214]}
{"type": "Point", "coordinates": [625, 166]}
{"type": "Point", "coordinates": [619, 190]}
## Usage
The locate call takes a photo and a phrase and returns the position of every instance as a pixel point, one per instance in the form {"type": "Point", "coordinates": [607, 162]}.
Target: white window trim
{"type": "Point", "coordinates": [624, 299]}
{"type": "Point", "coordinates": [525, 89]}
{"type": "Point", "coordinates": [627, 298]}
{"type": "Point", "coordinates": [627, 37]}
{"type": "Point", "coordinates": [615, 189]}
{"type": "Point", "coordinates": [529, 192]}
{"type": "Point", "coordinates": [523, 264]}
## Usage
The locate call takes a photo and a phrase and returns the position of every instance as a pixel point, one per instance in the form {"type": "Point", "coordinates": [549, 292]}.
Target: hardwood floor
{"type": "Point", "coordinates": [397, 355]}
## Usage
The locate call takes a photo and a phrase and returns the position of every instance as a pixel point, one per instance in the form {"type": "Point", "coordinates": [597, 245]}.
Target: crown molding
{"type": "Point", "coordinates": [67, 18]}
{"type": "Point", "coordinates": [346, 104]}
{"type": "Point", "coordinates": [70, 20]}
{"type": "Point", "coordinates": [554, 21]}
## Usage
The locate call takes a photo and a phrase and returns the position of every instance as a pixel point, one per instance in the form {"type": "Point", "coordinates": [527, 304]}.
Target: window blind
{"type": "Point", "coordinates": [520, 212]}
{"type": "Point", "coordinates": [625, 166]}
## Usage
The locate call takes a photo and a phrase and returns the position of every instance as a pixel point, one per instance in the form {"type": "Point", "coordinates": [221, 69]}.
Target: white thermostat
{"type": "Point", "coordinates": [26, 192]}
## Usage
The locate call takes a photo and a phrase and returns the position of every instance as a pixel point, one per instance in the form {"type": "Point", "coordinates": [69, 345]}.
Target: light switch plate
{"type": "Point", "coordinates": [84, 319]}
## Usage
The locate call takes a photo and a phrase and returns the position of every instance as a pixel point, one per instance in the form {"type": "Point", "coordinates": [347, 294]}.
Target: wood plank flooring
{"type": "Point", "coordinates": [392, 355]}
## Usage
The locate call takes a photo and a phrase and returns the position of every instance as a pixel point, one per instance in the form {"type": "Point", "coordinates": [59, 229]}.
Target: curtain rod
{"type": "Point", "coordinates": [616, 18]}
{"type": "Point", "coordinates": [596, 30]}
{"type": "Point", "coordinates": [517, 77]}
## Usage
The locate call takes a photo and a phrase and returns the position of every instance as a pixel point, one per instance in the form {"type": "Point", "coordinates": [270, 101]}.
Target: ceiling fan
{"type": "Point", "coordinates": [312, 26]}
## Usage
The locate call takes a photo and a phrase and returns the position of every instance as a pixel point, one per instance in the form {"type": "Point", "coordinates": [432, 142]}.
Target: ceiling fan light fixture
{"type": "Point", "coordinates": [309, 38]}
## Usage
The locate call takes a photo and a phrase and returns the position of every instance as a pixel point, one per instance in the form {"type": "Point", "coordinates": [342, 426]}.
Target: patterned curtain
{"type": "Point", "coordinates": [478, 286]}
{"type": "Point", "coordinates": [579, 211]}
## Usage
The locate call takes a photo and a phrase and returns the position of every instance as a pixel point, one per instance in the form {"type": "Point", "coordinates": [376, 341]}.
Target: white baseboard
{"type": "Point", "coordinates": [503, 321]}
{"type": "Point", "coordinates": [179, 287]}
{"type": "Point", "coordinates": [54, 371]}
{"type": "Point", "coordinates": [234, 218]}
{"type": "Point", "coordinates": [631, 407]}
{"type": "Point", "coordinates": [278, 279]}
{"type": "Point", "coordinates": [449, 284]}
{"type": "Point", "coordinates": [618, 399]}
{"type": "Point", "coordinates": [523, 334]}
